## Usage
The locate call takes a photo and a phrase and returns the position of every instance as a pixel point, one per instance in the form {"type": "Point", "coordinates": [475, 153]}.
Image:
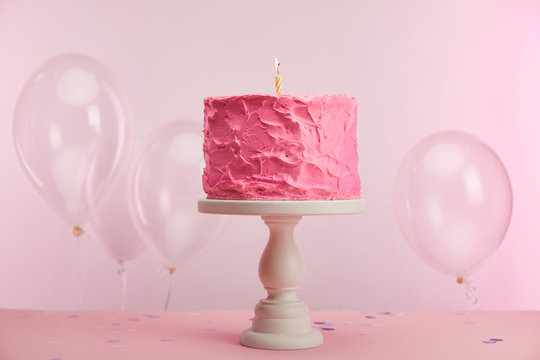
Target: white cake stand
{"type": "Point", "coordinates": [281, 320]}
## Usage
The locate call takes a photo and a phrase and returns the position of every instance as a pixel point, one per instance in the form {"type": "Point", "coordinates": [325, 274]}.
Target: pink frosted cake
{"type": "Point", "coordinates": [280, 147]}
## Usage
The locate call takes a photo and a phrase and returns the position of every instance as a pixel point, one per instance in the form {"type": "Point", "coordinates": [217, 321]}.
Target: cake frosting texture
{"type": "Point", "coordinates": [280, 147]}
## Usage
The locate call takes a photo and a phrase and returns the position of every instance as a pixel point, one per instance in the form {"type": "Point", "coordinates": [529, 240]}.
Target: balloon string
{"type": "Point", "coordinates": [78, 257]}
{"type": "Point", "coordinates": [171, 286]}
{"type": "Point", "coordinates": [123, 277]}
{"type": "Point", "coordinates": [470, 290]}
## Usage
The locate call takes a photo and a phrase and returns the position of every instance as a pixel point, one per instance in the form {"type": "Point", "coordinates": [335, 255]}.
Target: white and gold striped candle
{"type": "Point", "coordinates": [278, 78]}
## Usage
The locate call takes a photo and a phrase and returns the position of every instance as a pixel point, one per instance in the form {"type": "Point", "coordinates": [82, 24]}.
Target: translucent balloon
{"type": "Point", "coordinates": [112, 224]}
{"type": "Point", "coordinates": [166, 184]}
{"type": "Point", "coordinates": [71, 129]}
{"type": "Point", "coordinates": [453, 201]}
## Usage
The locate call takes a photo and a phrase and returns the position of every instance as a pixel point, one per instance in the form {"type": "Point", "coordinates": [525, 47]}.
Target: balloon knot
{"type": "Point", "coordinates": [172, 270]}
{"type": "Point", "coordinates": [77, 231]}
{"type": "Point", "coordinates": [460, 280]}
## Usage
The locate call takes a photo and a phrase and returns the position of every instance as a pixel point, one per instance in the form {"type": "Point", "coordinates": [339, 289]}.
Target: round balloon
{"type": "Point", "coordinates": [453, 201]}
{"type": "Point", "coordinates": [71, 128]}
{"type": "Point", "coordinates": [112, 224]}
{"type": "Point", "coordinates": [166, 184]}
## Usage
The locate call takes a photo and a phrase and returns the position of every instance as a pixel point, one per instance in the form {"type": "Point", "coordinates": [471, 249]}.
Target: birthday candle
{"type": "Point", "coordinates": [278, 78]}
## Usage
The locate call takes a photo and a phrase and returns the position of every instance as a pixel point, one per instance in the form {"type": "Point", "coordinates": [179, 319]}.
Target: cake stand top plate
{"type": "Point", "coordinates": [281, 207]}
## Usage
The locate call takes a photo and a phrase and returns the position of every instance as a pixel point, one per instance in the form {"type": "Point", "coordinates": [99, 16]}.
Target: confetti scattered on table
{"type": "Point", "coordinates": [150, 316]}
{"type": "Point", "coordinates": [492, 341]}
{"type": "Point", "coordinates": [370, 317]}
{"type": "Point", "coordinates": [324, 323]}
{"type": "Point", "coordinates": [327, 328]}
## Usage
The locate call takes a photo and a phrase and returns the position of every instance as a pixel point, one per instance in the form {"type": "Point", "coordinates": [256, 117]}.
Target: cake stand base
{"type": "Point", "coordinates": [269, 341]}
{"type": "Point", "coordinates": [281, 320]}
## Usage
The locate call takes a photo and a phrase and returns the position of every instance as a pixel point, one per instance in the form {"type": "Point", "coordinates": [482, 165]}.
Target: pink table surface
{"type": "Point", "coordinates": [68, 335]}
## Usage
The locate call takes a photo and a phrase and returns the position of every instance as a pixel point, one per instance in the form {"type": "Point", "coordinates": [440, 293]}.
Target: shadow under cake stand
{"type": "Point", "coordinates": [281, 320]}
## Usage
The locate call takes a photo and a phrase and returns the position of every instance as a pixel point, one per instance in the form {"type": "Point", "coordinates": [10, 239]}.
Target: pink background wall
{"type": "Point", "coordinates": [416, 67]}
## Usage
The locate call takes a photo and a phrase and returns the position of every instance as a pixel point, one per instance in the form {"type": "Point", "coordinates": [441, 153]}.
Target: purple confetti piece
{"type": "Point", "coordinates": [489, 342]}
{"type": "Point", "coordinates": [152, 316]}
{"type": "Point", "coordinates": [495, 339]}
{"type": "Point", "coordinates": [328, 328]}
{"type": "Point", "coordinates": [370, 317]}
{"type": "Point", "coordinates": [319, 322]}
{"type": "Point", "coordinates": [167, 340]}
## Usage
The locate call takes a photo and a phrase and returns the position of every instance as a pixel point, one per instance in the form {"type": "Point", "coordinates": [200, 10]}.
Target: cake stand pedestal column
{"type": "Point", "coordinates": [281, 320]}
